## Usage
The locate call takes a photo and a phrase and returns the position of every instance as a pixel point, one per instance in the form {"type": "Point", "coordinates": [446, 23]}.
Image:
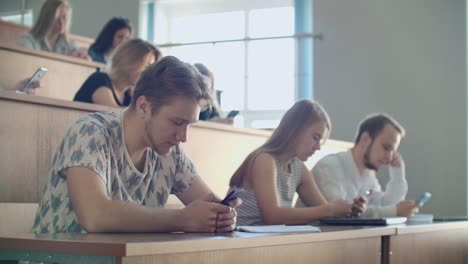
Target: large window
{"type": "Point", "coordinates": [248, 45]}
{"type": "Point", "coordinates": [19, 17]}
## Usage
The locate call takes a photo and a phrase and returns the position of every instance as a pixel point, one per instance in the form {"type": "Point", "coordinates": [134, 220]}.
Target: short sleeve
{"type": "Point", "coordinates": [185, 172]}
{"type": "Point", "coordinates": [83, 146]}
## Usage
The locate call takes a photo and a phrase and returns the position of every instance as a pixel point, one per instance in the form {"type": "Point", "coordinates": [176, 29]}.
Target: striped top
{"type": "Point", "coordinates": [287, 184]}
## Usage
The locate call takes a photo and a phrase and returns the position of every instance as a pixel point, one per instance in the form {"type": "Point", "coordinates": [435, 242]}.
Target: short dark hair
{"type": "Point", "coordinates": [105, 38]}
{"type": "Point", "coordinates": [168, 78]}
{"type": "Point", "coordinates": [375, 123]}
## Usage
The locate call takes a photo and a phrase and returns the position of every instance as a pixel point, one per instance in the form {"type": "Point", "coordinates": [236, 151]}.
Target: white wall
{"type": "Point", "coordinates": [89, 16]}
{"type": "Point", "coordinates": [10, 5]}
{"type": "Point", "coordinates": [407, 58]}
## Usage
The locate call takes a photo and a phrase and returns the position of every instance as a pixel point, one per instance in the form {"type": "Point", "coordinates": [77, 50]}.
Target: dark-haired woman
{"type": "Point", "coordinates": [116, 31]}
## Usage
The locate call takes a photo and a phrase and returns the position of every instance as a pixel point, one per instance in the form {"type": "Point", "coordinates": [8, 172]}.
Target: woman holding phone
{"type": "Point", "coordinates": [274, 172]}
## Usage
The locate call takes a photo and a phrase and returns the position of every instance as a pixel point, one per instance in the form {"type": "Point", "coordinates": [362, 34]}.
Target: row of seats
{"type": "Point", "coordinates": [32, 127]}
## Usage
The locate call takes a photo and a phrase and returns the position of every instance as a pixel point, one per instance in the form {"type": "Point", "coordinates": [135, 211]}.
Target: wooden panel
{"type": "Point", "coordinates": [447, 246]}
{"type": "Point", "coordinates": [217, 154]}
{"type": "Point", "coordinates": [11, 34]}
{"type": "Point", "coordinates": [151, 244]}
{"type": "Point", "coordinates": [30, 134]}
{"type": "Point", "coordinates": [64, 78]}
{"type": "Point", "coordinates": [33, 126]}
{"type": "Point", "coordinates": [361, 250]}
{"type": "Point", "coordinates": [17, 217]}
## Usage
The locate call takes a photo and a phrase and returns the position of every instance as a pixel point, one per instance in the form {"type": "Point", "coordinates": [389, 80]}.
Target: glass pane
{"type": "Point", "coordinates": [271, 74]}
{"type": "Point", "coordinates": [208, 27]}
{"type": "Point", "coordinates": [226, 61]}
{"type": "Point", "coordinates": [271, 22]}
{"type": "Point", "coordinates": [262, 124]}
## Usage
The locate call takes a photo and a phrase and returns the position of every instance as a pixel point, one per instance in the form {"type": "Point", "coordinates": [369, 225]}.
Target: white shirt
{"type": "Point", "coordinates": [338, 178]}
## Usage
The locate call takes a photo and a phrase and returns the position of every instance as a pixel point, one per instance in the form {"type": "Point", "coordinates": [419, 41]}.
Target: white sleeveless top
{"type": "Point", "coordinates": [287, 184]}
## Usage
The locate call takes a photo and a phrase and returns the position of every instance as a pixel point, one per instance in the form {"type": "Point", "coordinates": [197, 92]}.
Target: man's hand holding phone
{"type": "Point", "coordinates": [360, 203]}
{"type": "Point", "coordinates": [423, 198]}
{"type": "Point", "coordinates": [232, 198]}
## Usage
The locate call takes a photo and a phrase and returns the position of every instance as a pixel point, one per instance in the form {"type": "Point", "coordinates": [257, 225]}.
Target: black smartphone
{"type": "Point", "coordinates": [232, 114]}
{"type": "Point", "coordinates": [40, 72]}
{"type": "Point", "coordinates": [233, 194]}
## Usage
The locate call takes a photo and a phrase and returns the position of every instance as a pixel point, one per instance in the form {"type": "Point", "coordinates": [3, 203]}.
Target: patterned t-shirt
{"type": "Point", "coordinates": [96, 142]}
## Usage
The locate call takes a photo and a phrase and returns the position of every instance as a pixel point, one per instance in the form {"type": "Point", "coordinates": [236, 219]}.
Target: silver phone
{"type": "Point", "coordinates": [37, 76]}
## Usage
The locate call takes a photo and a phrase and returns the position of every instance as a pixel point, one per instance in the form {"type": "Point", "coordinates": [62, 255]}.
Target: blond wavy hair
{"type": "Point", "coordinates": [128, 56]}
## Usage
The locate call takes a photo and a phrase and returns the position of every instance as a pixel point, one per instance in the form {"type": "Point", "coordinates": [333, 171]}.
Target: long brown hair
{"type": "Point", "coordinates": [46, 17]}
{"type": "Point", "coordinates": [301, 115]}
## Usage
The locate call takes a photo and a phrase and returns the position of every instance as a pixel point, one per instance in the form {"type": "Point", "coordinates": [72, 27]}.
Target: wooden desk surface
{"type": "Point", "coordinates": [132, 244]}
{"type": "Point", "coordinates": [414, 228]}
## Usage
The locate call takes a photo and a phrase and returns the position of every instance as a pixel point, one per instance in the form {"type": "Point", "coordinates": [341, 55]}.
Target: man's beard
{"type": "Point", "coordinates": [367, 162]}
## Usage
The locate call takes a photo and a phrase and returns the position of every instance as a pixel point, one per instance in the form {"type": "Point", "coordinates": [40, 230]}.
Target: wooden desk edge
{"type": "Point", "coordinates": [431, 227]}
{"type": "Point", "coordinates": [13, 96]}
{"type": "Point", "coordinates": [50, 55]}
{"type": "Point", "coordinates": [122, 248]}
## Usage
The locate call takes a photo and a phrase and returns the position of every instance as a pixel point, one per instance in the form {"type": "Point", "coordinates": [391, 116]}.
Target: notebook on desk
{"type": "Point", "coordinates": [363, 221]}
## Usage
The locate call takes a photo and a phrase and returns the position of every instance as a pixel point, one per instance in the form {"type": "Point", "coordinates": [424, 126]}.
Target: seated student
{"type": "Point", "coordinates": [275, 171]}
{"type": "Point", "coordinates": [116, 31]}
{"type": "Point", "coordinates": [114, 87]}
{"type": "Point", "coordinates": [350, 174]}
{"type": "Point", "coordinates": [212, 113]}
{"type": "Point", "coordinates": [50, 32]}
{"type": "Point", "coordinates": [114, 171]}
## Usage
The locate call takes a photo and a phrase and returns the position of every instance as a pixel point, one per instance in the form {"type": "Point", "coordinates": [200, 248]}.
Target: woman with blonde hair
{"type": "Point", "coordinates": [115, 86]}
{"type": "Point", "coordinates": [270, 176]}
{"type": "Point", "coordinates": [50, 32]}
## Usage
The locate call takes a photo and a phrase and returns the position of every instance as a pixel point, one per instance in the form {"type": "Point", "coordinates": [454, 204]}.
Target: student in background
{"type": "Point", "coordinates": [212, 113]}
{"type": "Point", "coordinates": [116, 31]}
{"type": "Point", "coordinates": [349, 174]}
{"type": "Point", "coordinates": [114, 171]}
{"type": "Point", "coordinates": [51, 30]}
{"type": "Point", "coordinates": [275, 171]}
{"type": "Point", "coordinates": [114, 87]}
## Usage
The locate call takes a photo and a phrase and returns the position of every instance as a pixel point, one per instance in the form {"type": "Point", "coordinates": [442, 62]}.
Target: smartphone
{"type": "Point", "coordinates": [233, 194]}
{"type": "Point", "coordinates": [232, 114]}
{"type": "Point", "coordinates": [424, 198]}
{"type": "Point", "coordinates": [40, 72]}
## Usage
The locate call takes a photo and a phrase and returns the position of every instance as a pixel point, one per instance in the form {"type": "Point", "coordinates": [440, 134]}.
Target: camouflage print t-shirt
{"type": "Point", "coordinates": [95, 141]}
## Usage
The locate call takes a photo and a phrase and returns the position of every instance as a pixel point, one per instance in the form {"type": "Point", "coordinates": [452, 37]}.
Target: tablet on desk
{"type": "Point", "coordinates": [363, 221]}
